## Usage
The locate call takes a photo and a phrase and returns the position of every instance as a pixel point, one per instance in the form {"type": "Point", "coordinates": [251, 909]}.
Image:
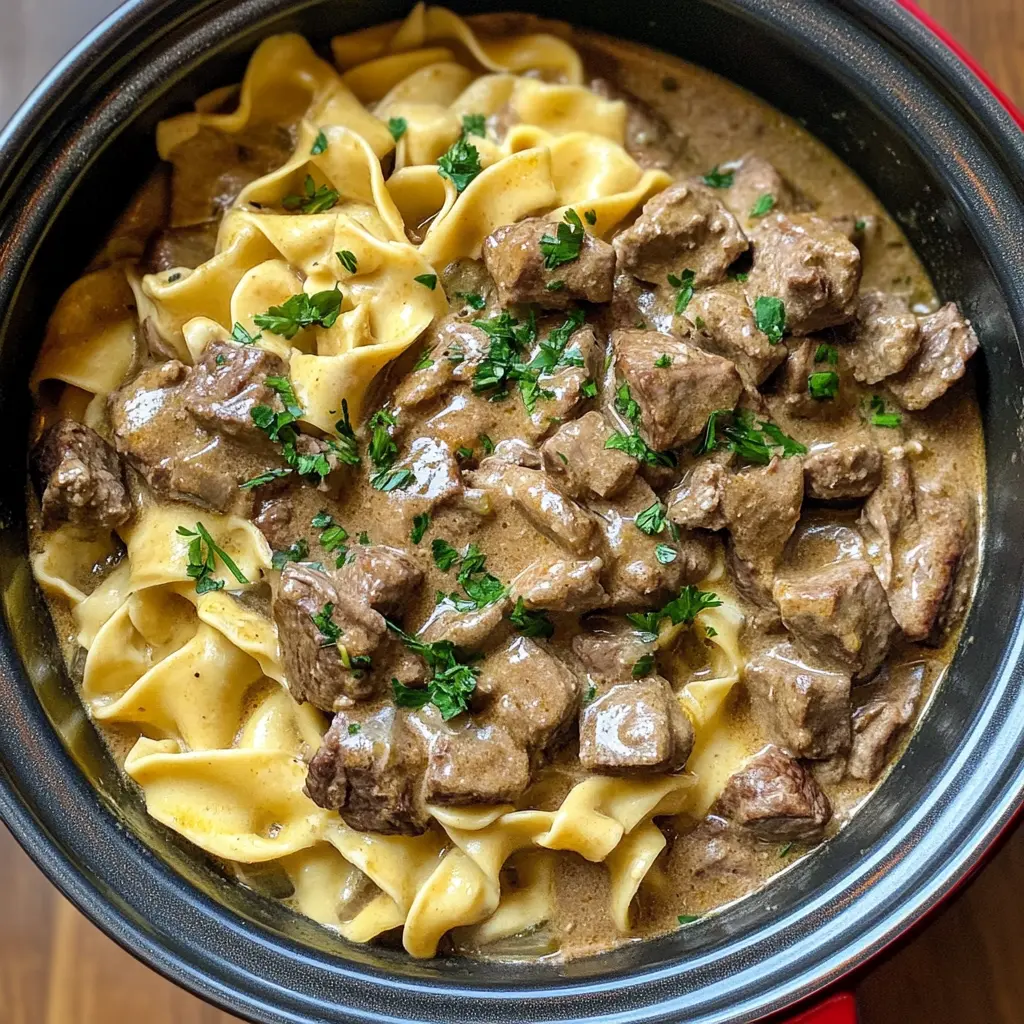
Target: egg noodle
{"type": "Point", "coordinates": [222, 746]}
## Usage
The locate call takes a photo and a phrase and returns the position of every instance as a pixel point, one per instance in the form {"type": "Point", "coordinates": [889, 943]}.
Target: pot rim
{"type": "Point", "coordinates": [921, 53]}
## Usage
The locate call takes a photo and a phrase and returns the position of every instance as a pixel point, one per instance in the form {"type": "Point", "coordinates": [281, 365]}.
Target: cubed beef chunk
{"type": "Point", "coordinates": [455, 350]}
{"type": "Point", "coordinates": [842, 471]}
{"type": "Point", "coordinates": [609, 656]}
{"type": "Point", "coordinates": [227, 383]}
{"type": "Point", "coordinates": [697, 502]}
{"type": "Point", "coordinates": [80, 478]}
{"type": "Point", "coordinates": [727, 329]}
{"type": "Point", "coordinates": [577, 456]}
{"type": "Point", "coordinates": [436, 478]}
{"type": "Point", "coordinates": [802, 707]}
{"type": "Point", "coordinates": [528, 691]}
{"type": "Point", "coordinates": [370, 769]}
{"type": "Point", "coordinates": [753, 179]}
{"type": "Point", "coordinates": [561, 585]}
{"type": "Point", "coordinates": [884, 710]}
{"type": "Point", "coordinates": [718, 851]}
{"type": "Point", "coordinates": [514, 259]}
{"type": "Point", "coordinates": [276, 520]}
{"type": "Point", "coordinates": [476, 766]}
{"type": "Point", "coordinates": [675, 400]}
{"type": "Point", "coordinates": [840, 614]}
{"type": "Point", "coordinates": [884, 337]}
{"type": "Point", "coordinates": [387, 579]}
{"type": "Point", "coordinates": [560, 392]}
{"type": "Point", "coordinates": [776, 798]}
{"type": "Point", "coordinates": [635, 727]}
{"type": "Point", "coordinates": [469, 629]}
{"type": "Point", "coordinates": [649, 139]}
{"type": "Point", "coordinates": [889, 510]}
{"type": "Point", "coordinates": [334, 647]}
{"type": "Point", "coordinates": [813, 268]}
{"type": "Point", "coordinates": [181, 247]}
{"type": "Point", "coordinates": [794, 383]}
{"type": "Point", "coordinates": [685, 227]}
{"type": "Point", "coordinates": [465, 277]}
{"type": "Point", "coordinates": [761, 507]}
{"type": "Point", "coordinates": [947, 342]}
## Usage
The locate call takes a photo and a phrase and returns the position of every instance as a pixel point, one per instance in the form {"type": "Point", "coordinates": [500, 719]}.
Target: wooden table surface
{"type": "Point", "coordinates": [966, 966]}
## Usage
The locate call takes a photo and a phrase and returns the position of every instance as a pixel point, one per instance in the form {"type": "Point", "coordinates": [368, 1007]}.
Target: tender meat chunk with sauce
{"type": "Point", "coordinates": [697, 502]}
{"type": "Point", "coordinates": [436, 478]}
{"type": "Point", "coordinates": [813, 268]}
{"type": "Point", "coordinates": [387, 579]}
{"type": "Point", "coordinates": [531, 693]}
{"type": "Point", "coordinates": [802, 707]}
{"type": "Point", "coordinates": [728, 329]}
{"type": "Point", "coordinates": [884, 710]}
{"type": "Point", "coordinates": [840, 614]}
{"type": "Point", "coordinates": [469, 629]}
{"type": "Point", "coordinates": [577, 456]}
{"type": "Point", "coordinates": [794, 383]}
{"type": "Point", "coordinates": [675, 400]}
{"type": "Point", "coordinates": [776, 798]}
{"type": "Point", "coordinates": [227, 383]}
{"type": "Point", "coordinates": [514, 259]}
{"type": "Point", "coordinates": [684, 227]}
{"type": "Point", "coordinates": [80, 478]}
{"type": "Point", "coordinates": [754, 178]}
{"type": "Point", "coordinates": [476, 766]}
{"type": "Point", "coordinates": [635, 727]}
{"type": "Point", "coordinates": [609, 657]}
{"type": "Point", "coordinates": [455, 350]}
{"type": "Point", "coordinates": [889, 511]}
{"type": "Point", "coordinates": [562, 390]}
{"type": "Point", "coordinates": [181, 247]}
{"type": "Point", "coordinates": [718, 851]}
{"type": "Point", "coordinates": [884, 337]}
{"type": "Point", "coordinates": [842, 471]}
{"type": "Point", "coordinates": [561, 585]}
{"type": "Point", "coordinates": [370, 768]}
{"type": "Point", "coordinates": [649, 139]}
{"type": "Point", "coordinates": [947, 342]}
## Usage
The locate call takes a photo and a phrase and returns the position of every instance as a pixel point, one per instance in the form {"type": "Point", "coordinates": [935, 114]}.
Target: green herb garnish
{"type": "Point", "coordinates": [718, 179]}
{"type": "Point", "coordinates": [643, 666]}
{"type": "Point", "coordinates": [460, 164]}
{"type": "Point", "coordinates": [314, 199]}
{"type": "Point", "coordinates": [474, 124]}
{"type": "Point", "coordinates": [530, 623]}
{"type": "Point", "coordinates": [420, 525]}
{"type": "Point", "coordinates": [348, 260]}
{"type": "Point", "coordinates": [242, 336]}
{"type": "Point", "coordinates": [321, 309]}
{"type": "Point", "coordinates": [203, 553]}
{"type": "Point", "coordinates": [878, 417]}
{"type": "Point", "coordinates": [651, 520]}
{"type": "Point", "coordinates": [445, 556]}
{"type": "Point", "coordinates": [451, 685]}
{"type": "Point", "coordinates": [823, 385]}
{"type": "Point", "coordinates": [666, 554]}
{"type": "Point", "coordinates": [565, 245]}
{"type": "Point", "coordinates": [397, 126]}
{"type": "Point", "coordinates": [770, 317]}
{"type": "Point", "coordinates": [684, 282]}
{"type": "Point", "coordinates": [763, 205]}
{"type": "Point", "coordinates": [264, 478]}
{"type": "Point", "coordinates": [427, 280]}
{"type": "Point", "coordinates": [319, 144]}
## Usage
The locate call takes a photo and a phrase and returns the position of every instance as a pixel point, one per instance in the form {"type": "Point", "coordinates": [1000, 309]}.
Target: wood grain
{"type": "Point", "coordinates": [965, 967]}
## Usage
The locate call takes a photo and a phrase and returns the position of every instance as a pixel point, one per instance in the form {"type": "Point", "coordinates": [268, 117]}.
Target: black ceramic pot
{"type": "Point", "coordinates": [947, 161]}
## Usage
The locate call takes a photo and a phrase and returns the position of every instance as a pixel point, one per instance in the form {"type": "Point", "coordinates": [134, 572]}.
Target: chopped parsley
{"type": "Point", "coordinates": [420, 525]}
{"type": "Point", "coordinates": [635, 446]}
{"type": "Point", "coordinates": [219, 359]}
{"type": "Point", "coordinates": [486, 443]}
{"type": "Point", "coordinates": [388, 480]}
{"type": "Point", "coordinates": [784, 850]}
{"type": "Point", "coordinates": [827, 354]}
{"type": "Point", "coordinates": [364, 537]}
{"type": "Point", "coordinates": [554, 286]}
{"type": "Point", "coordinates": [756, 441]}
{"type": "Point", "coordinates": [474, 124]}
{"type": "Point", "coordinates": [334, 534]}
{"type": "Point", "coordinates": [174, 278]}
{"type": "Point", "coordinates": [315, 199]}
{"type": "Point", "coordinates": [738, 275]}
{"type": "Point", "coordinates": [450, 686]}
{"type": "Point", "coordinates": [681, 611]}
{"type": "Point", "coordinates": [397, 126]}
{"type": "Point", "coordinates": [328, 628]}
{"type": "Point", "coordinates": [565, 245]}
{"type": "Point", "coordinates": [718, 179]}
{"type": "Point", "coordinates": [242, 336]}
{"type": "Point", "coordinates": [666, 554]}
{"type": "Point", "coordinates": [551, 353]}
{"type": "Point", "coordinates": [348, 260]}
{"type": "Point", "coordinates": [588, 389]}
{"type": "Point", "coordinates": [590, 694]}
{"type": "Point", "coordinates": [626, 405]}
{"type": "Point", "coordinates": [300, 311]}
{"type": "Point", "coordinates": [688, 918]}
{"type": "Point", "coordinates": [464, 452]}
{"type": "Point", "coordinates": [859, 224]}
{"type": "Point", "coordinates": [345, 446]}
{"type": "Point", "coordinates": [663, 361]}
{"type": "Point", "coordinates": [823, 385]}
{"type": "Point", "coordinates": [480, 586]}
{"type": "Point", "coordinates": [427, 280]}
{"type": "Point", "coordinates": [203, 553]}
{"type": "Point", "coordinates": [445, 556]}
{"type": "Point", "coordinates": [763, 205]}
{"type": "Point", "coordinates": [424, 362]}
{"type": "Point", "coordinates": [354, 728]}
{"type": "Point", "coordinates": [652, 520]}
{"type": "Point", "coordinates": [503, 363]}
{"type": "Point", "coordinates": [878, 417]}
{"type": "Point", "coordinates": [643, 666]}
{"type": "Point", "coordinates": [529, 623]}
{"type": "Point", "coordinates": [460, 164]}
{"type": "Point", "coordinates": [319, 144]}
{"type": "Point", "coordinates": [472, 300]}
{"type": "Point", "coordinates": [590, 216]}
{"type": "Point", "coordinates": [684, 282]}
{"type": "Point", "coordinates": [770, 317]}
{"type": "Point", "coordinates": [383, 449]}
{"type": "Point", "coordinates": [264, 478]}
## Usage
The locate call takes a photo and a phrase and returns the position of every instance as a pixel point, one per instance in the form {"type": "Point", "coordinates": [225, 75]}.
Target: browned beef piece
{"type": "Point", "coordinates": [634, 575]}
{"type": "Point", "coordinates": [528, 691]}
{"type": "Point", "coordinates": [436, 478]}
{"type": "Point", "coordinates": [842, 471]}
{"type": "Point", "coordinates": [476, 766]}
{"type": "Point", "coordinates": [889, 510]}
{"type": "Point", "coordinates": [561, 392]}
{"type": "Point", "coordinates": [883, 338]}
{"type": "Point", "coordinates": [577, 457]}
{"type": "Point", "coordinates": [609, 657]}
{"type": "Point", "coordinates": [370, 769]}
{"type": "Point", "coordinates": [514, 259]}
{"type": "Point", "coordinates": [635, 727]}
{"type": "Point", "coordinates": [761, 507]}
{"type": "Point", "coordinates": [561, 585]}
{"type": "Point", "coordinates": [802, 707]}
{"type": "Point", "coordinates": [80, 478]}
{"type": "Point", "coordinates": [685, 227]}
{"type": "Point", "coordinates": [635, 304]}
{"type": "Point", "coordinates": [326, 663]}
{"type": "Point", "coordinates": [465, 277]}
{"type": "Point", "coordinates": [752, 179]}
{"type": "Point", "coordinates": [649, 140]}
{"type": "Point", "coordinates": [541, 500]}
{"type": "Point", "coordinates": [455, 349]}
{"type": "Point", "coordinates": [697, 502]}
{"type": "Point", "coordinates": [884, 710]}
{"type": "Point", "coordinates": [794, 382]}
{"type": "Point", "coordinates": [275, 518]}
{"type": "Point", "coordinates": [154, 432]}
{"type": "Point", "coordinates": [180, 247]}
{"type": "Point", "coordinates": [471, 630]}
{"type": "Point", "coordinates": [727, 328]}
{"type": "Point", "coordinates": [387, 579]}
{"type": "Point", "coordinates": [212, 167]}
{"type": "Point", "coordinates": [947, 342]}
{"type": "Point", "coordinates": [675, 400]}
{"type": "Point", "coordinates": [776, 798]}
{"type": "Point", "coordinates": [722, 852]}
{"type": "Point", "coordinates": [813, 268]}
{"type": "Point", "coordinates": [840, 614]}
{"type": "Point", "coordinates": [227, 383]}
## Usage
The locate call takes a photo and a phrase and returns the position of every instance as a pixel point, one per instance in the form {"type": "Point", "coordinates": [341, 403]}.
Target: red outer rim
{"type": "Point", "coordinates": [929, 22]}
{"type": "Point", "coordinates": [839, 1009]}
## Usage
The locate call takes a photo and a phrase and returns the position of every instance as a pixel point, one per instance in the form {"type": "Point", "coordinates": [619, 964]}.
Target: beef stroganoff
{"type": "Point", "coordinates": [502, 488]}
